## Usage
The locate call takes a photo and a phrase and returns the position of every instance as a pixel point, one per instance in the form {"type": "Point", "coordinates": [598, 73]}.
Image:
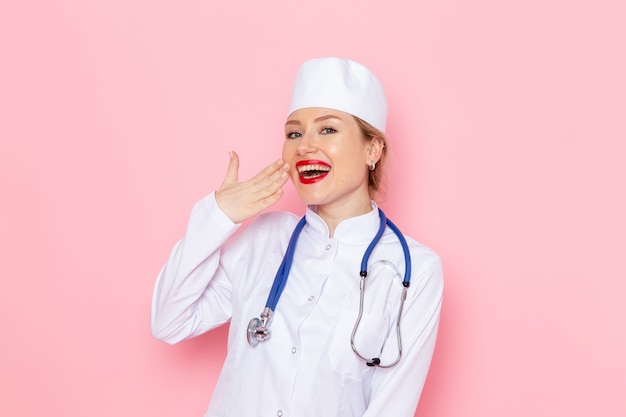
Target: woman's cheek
{"type": "Point", "coordinates": [288, 150]}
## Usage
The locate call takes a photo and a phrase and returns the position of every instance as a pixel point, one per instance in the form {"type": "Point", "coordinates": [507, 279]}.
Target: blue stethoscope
{"type": "Point", "coordinates": [258, 329]}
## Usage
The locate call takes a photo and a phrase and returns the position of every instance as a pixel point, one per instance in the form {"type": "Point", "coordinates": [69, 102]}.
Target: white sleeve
{"type": "Point", "coordinates": [396, 390]}
{"type": "Point", "coordinates": [193, 291]}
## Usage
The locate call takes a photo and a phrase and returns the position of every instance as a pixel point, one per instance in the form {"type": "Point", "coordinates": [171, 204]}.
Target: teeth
{"type": "Point", "coordinates": [313, 170]}
{"type": "Point", "coordinates": [313, 167]}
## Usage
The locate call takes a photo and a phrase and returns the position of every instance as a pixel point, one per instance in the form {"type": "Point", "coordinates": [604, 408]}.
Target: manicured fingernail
{"type": "Point", "coordinates": [230, 154]}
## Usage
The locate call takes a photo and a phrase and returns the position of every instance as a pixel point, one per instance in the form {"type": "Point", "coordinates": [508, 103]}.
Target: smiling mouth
{"type": "Point", "coordinates": [312, 171]}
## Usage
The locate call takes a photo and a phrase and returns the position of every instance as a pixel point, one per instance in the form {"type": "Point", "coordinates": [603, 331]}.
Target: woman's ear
{"type": "Point", "coordinates": [375, 150]}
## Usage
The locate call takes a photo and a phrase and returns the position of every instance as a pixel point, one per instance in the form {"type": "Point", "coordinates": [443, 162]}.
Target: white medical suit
{"type": "Point", "coordinates": [307, 368]}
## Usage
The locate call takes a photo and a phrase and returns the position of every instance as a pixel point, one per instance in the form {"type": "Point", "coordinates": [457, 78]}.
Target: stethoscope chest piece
{"type": "Point", "coordinates": [258, 330]}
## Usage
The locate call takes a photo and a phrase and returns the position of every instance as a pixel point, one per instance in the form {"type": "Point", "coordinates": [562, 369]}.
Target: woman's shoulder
{"type": "Point", "coordinates": [421, 249]}
{"type": "Point", "coordinates": [426, 263]}
{"type": "Point", "coordinates": [416, 248]}
{"type": "Point", "coordinates": [423, 258]}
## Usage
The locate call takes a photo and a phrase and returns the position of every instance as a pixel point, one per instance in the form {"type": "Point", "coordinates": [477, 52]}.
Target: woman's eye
{"type": "Point", "coordinates": [328, 131]}
{"type": "Point", "coordinates": [293, 135]}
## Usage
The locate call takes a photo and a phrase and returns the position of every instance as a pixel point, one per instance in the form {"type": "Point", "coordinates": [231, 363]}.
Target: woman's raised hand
{"type": "Point", "coordinates": [243, 200]}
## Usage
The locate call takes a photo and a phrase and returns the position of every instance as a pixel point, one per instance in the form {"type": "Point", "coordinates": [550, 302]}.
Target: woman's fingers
{"type": "Point", "coordinates": [232, 174]}
{"type": "Point", "coordinates": [272, 198]}
{"type": "Point", "coordinates": [267, 172]}
{"type": "Point", "coordinates": [269, 179]}
{"type": "Point", "coordinates": [242, 200]}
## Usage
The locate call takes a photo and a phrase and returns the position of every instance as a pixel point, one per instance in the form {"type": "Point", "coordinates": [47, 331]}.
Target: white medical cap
{"type": "Point", "coordinates": [340, 84]}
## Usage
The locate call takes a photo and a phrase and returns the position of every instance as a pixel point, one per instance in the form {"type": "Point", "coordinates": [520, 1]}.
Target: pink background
{"type": "Point", "coordinates": [507, 127]}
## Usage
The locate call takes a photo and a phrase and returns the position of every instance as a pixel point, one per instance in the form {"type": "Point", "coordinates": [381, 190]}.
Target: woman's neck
{"type": "Point", "coordinates": [333, 214]}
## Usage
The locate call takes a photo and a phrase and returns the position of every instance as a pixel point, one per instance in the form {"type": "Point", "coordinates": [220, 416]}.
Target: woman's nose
{"type": "Point", "coordinates": [306, 145]}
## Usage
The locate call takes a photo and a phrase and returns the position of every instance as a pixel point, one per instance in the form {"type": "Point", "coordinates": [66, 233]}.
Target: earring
{"type": "Point", "coordinates": [372, 166]}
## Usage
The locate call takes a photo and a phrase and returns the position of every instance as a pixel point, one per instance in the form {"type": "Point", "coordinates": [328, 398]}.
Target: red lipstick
{"type": "Point", "coordinates": [312, 170]}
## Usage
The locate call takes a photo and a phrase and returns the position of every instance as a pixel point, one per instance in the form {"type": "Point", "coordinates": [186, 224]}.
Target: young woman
{"type": "Point", "coordinates": [342, 332]}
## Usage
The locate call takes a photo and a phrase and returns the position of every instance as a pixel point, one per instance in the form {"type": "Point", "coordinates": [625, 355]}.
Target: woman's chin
{"type": "Point", "coordinates": [309, 198]}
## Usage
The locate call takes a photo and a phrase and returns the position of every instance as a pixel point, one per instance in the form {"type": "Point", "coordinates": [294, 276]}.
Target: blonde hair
{"type": "Point", "coordinates": [376, 176]}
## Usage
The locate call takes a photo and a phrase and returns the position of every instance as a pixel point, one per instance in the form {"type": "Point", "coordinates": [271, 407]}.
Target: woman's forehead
{"type": "Point", "coordinates": [317, 114]}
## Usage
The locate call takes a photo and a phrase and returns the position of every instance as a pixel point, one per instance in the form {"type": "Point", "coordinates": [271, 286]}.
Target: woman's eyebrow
{"type": "Point", "coordinates": [330, 116]}
{"type": "Point", "coordinates": [317, 120]}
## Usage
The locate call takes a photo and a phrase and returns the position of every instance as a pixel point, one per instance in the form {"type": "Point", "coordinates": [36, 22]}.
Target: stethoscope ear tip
{"type": "Point", "coordinates": [373, 362]}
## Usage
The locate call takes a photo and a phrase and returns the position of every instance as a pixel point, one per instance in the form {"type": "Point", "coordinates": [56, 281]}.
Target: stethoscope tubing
{"type": "Point", "coordinates": [384, 221]}
{"type": "Point", "coordinates": [258, 328]}
{"type": "Point", "coordinates": [283, 271]}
